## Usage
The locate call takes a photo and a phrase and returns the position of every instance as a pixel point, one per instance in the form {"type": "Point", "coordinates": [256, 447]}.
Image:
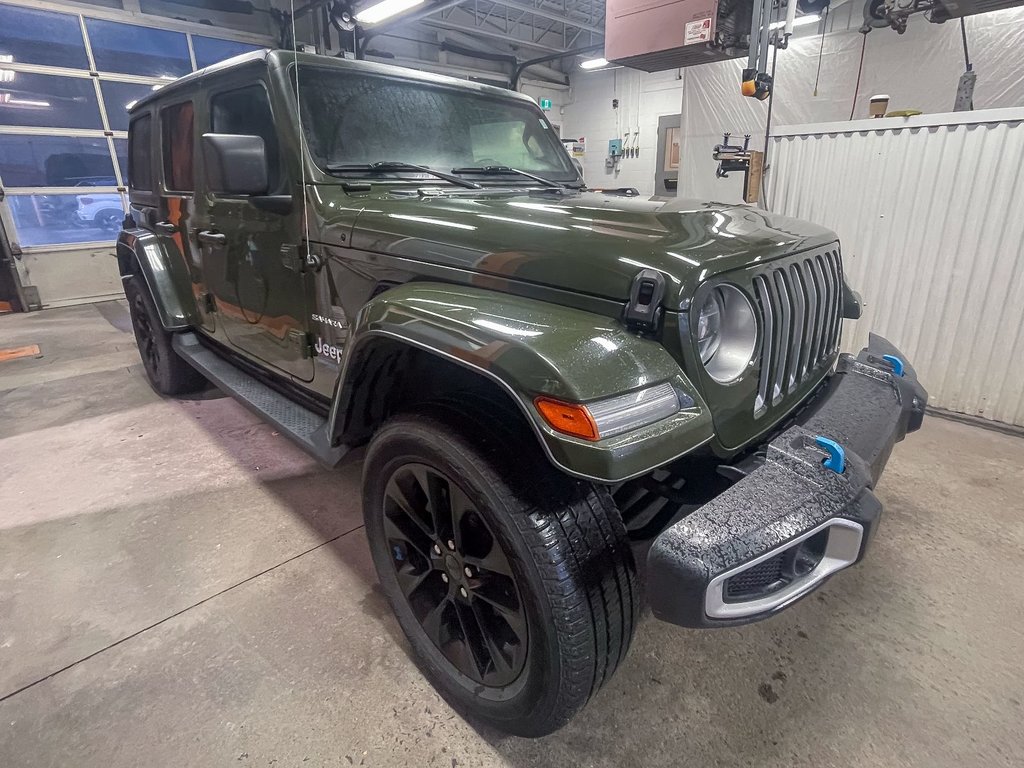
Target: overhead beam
{"type": "Point", "coordinates": [544, 13]}
{"type": "Point", "coordinates": [487, 33]}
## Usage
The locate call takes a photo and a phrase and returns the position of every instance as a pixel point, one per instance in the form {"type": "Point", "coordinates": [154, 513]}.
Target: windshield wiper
{"type": "Point", "coordinates": [504, 170]}
{"type": "Point", "coordinates": [388, 166]}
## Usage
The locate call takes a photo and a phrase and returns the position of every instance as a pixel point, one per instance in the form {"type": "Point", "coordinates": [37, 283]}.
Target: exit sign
{"type": "Point", "coordinates": [545, 104]}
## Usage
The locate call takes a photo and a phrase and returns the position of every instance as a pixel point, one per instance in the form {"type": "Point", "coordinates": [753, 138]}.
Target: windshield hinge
{"type": "Point", "coordinates": [643, 310]}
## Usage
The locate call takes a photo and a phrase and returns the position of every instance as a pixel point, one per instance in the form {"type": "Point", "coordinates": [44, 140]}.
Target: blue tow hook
{"type": "Point", "coordinates": [836, 460]}
{"type": "Point", "coordinates": [895, 362]}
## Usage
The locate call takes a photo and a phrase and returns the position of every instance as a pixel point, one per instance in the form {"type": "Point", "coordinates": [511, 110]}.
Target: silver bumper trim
{"type": "Point", "coordinates": [844, 543]}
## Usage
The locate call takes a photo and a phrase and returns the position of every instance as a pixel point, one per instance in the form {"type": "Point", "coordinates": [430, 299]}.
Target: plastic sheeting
{"type": "Point", "coordinates": [919, 70]}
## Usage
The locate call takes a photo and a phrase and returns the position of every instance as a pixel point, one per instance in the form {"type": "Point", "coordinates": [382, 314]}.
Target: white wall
{"type": "Point", "coordinates": [918, 70]}
{"type": "Point", "coordinates": [643, 98]}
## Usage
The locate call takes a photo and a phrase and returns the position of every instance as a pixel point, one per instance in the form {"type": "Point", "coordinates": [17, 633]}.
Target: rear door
{"type": "Point", "coordinates": [176, 206]}
{"type": "Point", "coordinates": [261, 294]}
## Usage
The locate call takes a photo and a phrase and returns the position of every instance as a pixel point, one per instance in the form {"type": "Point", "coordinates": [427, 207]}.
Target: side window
{"type": "Point", "coordinates": [246, 111]}
{"type": "Point", "coordinates": [176, 125]}
{"type": "Point", "coordinates": [140, 169]}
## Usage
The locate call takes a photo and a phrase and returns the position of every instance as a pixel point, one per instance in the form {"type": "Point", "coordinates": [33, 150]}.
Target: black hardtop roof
{"type": "Point", "coordinates": [273, 59]}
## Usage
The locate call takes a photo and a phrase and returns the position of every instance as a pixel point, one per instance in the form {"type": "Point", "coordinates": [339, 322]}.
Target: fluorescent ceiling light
{"type": "Point", "coordinates": [799, 21]}
{"type": "Point", "coordinates": [385, 10]}
{"type": "Point", "coordinates": [28, 103]}
{"type": "Point", "coordinates": [594, 63]}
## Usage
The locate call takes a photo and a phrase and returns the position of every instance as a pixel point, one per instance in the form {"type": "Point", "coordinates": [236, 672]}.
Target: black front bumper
{"type": "Point", "coordinates": [785, 528]}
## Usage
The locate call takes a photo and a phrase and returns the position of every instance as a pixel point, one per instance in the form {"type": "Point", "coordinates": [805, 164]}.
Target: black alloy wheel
{"type": "Point", "coordinates": [145, 337]}
{"type": "Point", "coordinates": [514, 584]}
{"type": "Point", "coordinates": [454, 575]}
{"type": "Point", "coordinates": [166, 370]}
{"type": "Point", "coordinates": [109, 221]}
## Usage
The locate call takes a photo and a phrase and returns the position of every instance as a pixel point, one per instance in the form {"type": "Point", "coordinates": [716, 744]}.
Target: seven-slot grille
{"type": "Point", "coordinates": [801, 311]}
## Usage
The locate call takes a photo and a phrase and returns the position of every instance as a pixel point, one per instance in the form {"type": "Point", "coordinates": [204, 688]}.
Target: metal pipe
{"type": "Point", "coordinates": [755, 32]}
{"type": "Point", "coordinates": [474, 53]}
{"type": "Point", "coordinates": [790, 17]}
{"type": "Point", "coordinates": [448, 25]}
{"type": "Point", "coordinates": [518, 71]}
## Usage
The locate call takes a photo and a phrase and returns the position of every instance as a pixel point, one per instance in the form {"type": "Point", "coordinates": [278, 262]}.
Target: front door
{"type": "Point", "coordinates": [262, 295]}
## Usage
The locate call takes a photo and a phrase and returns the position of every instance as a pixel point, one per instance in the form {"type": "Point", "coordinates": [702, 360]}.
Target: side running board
{"type": "Point", "coordinates": [305, 427]}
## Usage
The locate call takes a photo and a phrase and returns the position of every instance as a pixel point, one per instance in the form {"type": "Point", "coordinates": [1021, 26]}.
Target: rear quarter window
{"type": "Point", "coordinates": [177, 137]}
{"type": "Point", "coordinates": [140, 142]}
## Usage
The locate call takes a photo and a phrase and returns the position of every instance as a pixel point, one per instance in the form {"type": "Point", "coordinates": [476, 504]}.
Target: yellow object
{"type": "Point", "coordinates": [903, 113]}
{"type": "Point", "coordinates": [571, 418]}
{"type": "Point", "coordinates": [748, 88]}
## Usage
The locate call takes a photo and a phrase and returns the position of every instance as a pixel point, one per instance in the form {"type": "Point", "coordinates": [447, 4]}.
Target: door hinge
{"type": "Point", "coordinates": [291, 258]}
{"type": "Point", "coordinates": [208, 303]}
{"type": "Point", "coordinates": [305, 342]}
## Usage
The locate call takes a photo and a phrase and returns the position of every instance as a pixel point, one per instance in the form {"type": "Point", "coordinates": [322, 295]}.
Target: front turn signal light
{"type": "Point", "coordinates": [571, 418]}
{"type": "Point", "coordinates": [611, 416]}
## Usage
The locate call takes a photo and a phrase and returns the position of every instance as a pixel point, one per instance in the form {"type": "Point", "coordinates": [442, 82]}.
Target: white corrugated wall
{"type": "Point", "coordinates": [930, 212]}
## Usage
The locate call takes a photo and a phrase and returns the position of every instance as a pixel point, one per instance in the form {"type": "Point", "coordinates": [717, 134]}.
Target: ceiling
{"type": "Point", "coordinates": [539, 26]}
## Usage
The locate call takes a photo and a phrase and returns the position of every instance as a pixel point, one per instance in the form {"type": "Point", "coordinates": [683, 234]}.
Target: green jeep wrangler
{"type": "Point", "coordinates": [553, 383]}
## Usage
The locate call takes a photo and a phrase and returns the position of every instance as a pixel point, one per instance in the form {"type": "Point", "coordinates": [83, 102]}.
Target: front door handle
{"type": "Point", "coordinates": [165, 227]}
{"type": "Point", "coordinates": [212, 238]}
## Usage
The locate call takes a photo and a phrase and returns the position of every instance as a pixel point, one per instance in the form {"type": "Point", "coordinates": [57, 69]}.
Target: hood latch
{"type": "Point", "coordinates": [643, 311]}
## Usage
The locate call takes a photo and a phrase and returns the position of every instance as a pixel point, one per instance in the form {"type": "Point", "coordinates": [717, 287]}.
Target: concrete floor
{"type": "Point", "coordinates": [179, 585]}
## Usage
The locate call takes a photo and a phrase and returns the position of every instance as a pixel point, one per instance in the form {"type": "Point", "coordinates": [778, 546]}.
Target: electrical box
{"type": "Point", "coordinates": [615, 148]}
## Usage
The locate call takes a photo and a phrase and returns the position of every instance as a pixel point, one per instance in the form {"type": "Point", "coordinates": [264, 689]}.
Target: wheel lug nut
{"type": "Point", "coordinates": [444, 577]}
{"type": "Point", "coordinates": [451, 544]}
{"type": "Point", "coordinates": [468, 571]}
{"type": "Point", "coordinates": [437, 549]}
{"type": "Point", "coordinates": [463, 592]}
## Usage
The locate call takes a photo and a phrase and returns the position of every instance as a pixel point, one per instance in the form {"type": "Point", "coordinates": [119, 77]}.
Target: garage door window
{"type": "Point", "coordinates": [40, 37]}
{"type": "Point", "coordinates": [49, 101]}
{"type": "Point", "coordinates": [210, 50]}
{"type": "Point", "coordinates": [138, 50]}
{"type": "Point", "coordinates": [176, 140]}
{"type": "Point", "coordinates": [54, 161]}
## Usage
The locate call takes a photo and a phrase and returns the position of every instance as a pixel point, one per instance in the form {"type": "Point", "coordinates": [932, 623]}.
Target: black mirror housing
{"type": "Point", "coordinates": [235, 165]}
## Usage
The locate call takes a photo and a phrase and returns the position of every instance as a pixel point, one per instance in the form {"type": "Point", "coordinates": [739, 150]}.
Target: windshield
{"type": "Point", "coordinates": [354, 118]}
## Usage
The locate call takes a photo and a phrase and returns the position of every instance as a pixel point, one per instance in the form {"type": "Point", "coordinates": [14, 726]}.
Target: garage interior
{"type": "Point", "coordinates": [181, 585]}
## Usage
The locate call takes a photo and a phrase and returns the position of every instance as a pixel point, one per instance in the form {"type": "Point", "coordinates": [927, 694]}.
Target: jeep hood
{"type": "Point", "coordinates": [586, 243]}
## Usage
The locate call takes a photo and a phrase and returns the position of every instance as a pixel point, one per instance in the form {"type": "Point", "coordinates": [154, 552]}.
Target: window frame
{"type": "Point", "coordinates": [215, 90]}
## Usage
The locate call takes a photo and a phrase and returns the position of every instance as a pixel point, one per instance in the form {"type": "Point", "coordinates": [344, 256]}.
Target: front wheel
{"type": "Point", "coordinates": [516, 589]}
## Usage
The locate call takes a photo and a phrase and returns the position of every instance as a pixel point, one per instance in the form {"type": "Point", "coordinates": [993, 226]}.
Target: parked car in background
{"type": "Point", "coordinates": [100, 209]}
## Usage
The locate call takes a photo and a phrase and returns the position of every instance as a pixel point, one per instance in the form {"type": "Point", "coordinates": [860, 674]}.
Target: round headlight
{"type": "Point", "coordinates": [709, 326]}
{"type": "Point", "coordinates": [726, 333]}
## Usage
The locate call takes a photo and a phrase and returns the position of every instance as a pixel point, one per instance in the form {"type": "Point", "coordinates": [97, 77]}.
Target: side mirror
{"type": "Point", "coordinates": [235, 165]}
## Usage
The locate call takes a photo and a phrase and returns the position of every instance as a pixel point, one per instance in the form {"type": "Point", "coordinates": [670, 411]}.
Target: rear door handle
{"type": "Point", "coordinates": [166, 227]}
{"type": "Point", "coordinates": [212, 238]}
